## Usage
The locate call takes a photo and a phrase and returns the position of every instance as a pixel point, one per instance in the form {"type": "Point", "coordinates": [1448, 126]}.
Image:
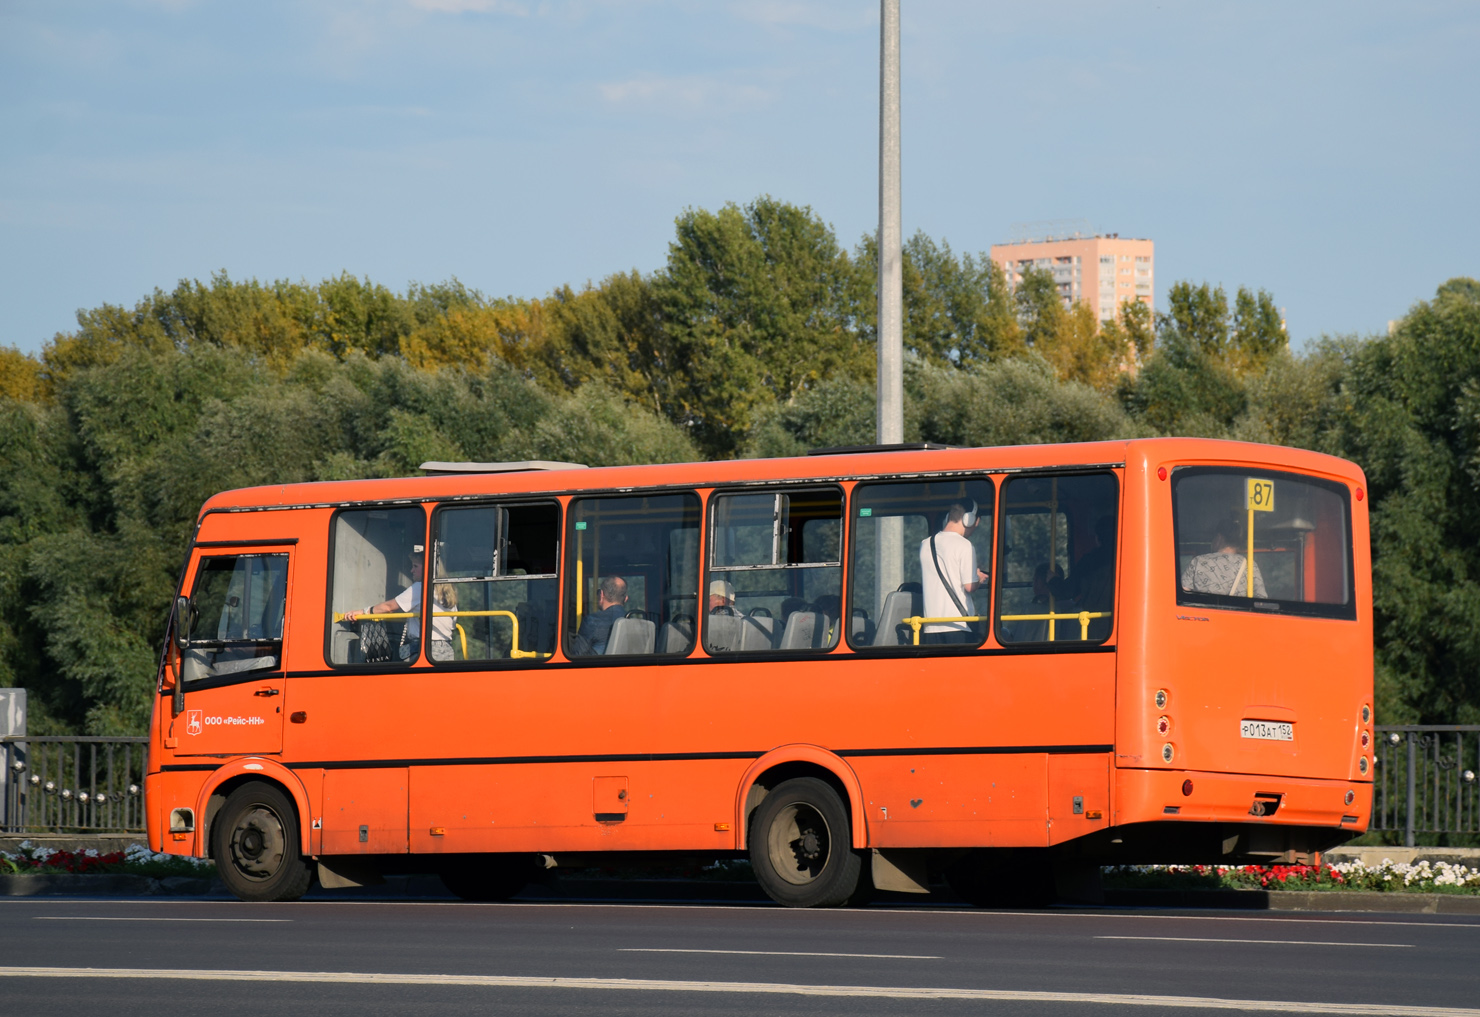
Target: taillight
{"type": "Point", "coordinates": [1168, 754]}
{"type": "Point", "coordinates": [1163, 726]}
{"type": "Point", "coordinates": [1362, 766]}
{"type": "Point", "coordinates": [1161, 699]}
{"type": "Point", "coordinates": [1187, 789]}
{"type": "Point", "coordinates": [1351, 796]}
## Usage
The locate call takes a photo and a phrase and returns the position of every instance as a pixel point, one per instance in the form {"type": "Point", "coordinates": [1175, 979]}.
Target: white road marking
{"type": "Point", "coordinates": [1280, 942]}
{"type": "Point", "coordinates": [747, 988]}
{"type": "Point", "coordinates": [857, 914]}
{"type": "Point", "coordinates": [779, 953]}
{"type": "Point", "coordinates": [146, 918]}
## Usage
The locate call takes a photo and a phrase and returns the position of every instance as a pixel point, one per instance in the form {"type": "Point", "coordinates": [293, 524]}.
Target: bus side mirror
{"type": "Point", "coordinates": [181, 627]}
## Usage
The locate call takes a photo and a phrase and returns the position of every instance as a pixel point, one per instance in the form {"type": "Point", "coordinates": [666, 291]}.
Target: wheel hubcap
{"type": "Point", "coordinates": [258, 843]}
{"type": "Point", "coordinates": [799, 843]}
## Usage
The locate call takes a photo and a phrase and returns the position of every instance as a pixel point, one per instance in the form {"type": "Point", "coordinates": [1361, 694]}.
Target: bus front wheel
{"type": "Point", "coordinates": [254, 840]}
{"type": "Point", "coordinates": [799, 846]}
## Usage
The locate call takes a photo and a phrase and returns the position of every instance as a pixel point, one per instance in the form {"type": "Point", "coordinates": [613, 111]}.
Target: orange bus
{"type": "Point", "coordinates": [860, 669]}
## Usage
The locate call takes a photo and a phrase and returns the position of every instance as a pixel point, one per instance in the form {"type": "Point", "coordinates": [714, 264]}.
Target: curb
{"type": "Point", "coordinates": [106, 884]}
{"type": "Point", "coordinates": [1299, 900]}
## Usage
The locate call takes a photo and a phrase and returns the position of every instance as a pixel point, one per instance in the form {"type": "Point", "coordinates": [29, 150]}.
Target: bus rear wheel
{"type": "Point", "coordinates": [487, 877]}
{"type": "Point", "coordinates": [254, 840]}
{"type": "Point", "coordinates": [799, 847]}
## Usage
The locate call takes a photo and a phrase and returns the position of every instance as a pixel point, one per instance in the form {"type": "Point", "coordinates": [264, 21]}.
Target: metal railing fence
{"type": "Point", "coordinates": [73, 784]}
{"type": "Point", "coordinates": [1424, 780]}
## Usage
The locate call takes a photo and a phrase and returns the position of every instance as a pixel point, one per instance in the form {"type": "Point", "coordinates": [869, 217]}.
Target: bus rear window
{"type": "Point", "coordinates": [1250, 539]}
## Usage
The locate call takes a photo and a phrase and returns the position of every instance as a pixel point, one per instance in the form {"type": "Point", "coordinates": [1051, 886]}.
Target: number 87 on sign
{"type": "Point", "coordinates": [1261, 495]}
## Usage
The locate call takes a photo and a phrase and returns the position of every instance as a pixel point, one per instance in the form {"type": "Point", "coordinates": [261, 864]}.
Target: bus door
{"type": "Point", "coordinates": [232, 664]}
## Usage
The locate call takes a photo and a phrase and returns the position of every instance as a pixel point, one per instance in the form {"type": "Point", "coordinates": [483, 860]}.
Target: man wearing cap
{"type": "Point", "coordinates": [721, 594]}
{"type": "Point", "coordinates": [948, 575]}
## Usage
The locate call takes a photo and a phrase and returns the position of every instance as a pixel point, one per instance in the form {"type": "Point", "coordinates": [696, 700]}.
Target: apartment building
{"type": "Point", "coordinates": [1104, 270]}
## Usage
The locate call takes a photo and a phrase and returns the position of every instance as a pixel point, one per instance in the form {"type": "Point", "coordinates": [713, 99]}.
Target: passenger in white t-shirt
{"type": "Point", "coordinates": [409, 601]}
{"type": "Point", "coordinates": [951, 549]}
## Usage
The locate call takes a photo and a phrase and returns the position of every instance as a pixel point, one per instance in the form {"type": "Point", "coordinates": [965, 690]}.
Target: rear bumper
{"type": "Point", "coordinates": [1143, 796]}
{"type": "Point", "coordinates": [1155, 823]}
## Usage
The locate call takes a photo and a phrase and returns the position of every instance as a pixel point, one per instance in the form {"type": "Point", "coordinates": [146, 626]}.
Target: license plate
{"type": "Point", "coordinates": [1267, 730]}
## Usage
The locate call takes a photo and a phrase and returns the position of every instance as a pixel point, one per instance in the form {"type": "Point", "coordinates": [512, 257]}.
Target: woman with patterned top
{"type": "Point", "coordinates": [1223, 571]}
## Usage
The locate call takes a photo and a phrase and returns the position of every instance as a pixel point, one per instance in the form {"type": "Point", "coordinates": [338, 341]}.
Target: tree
{"type": "Point", "coordinates": [1414, 425]}
{"type": "Point", "coordinates": [957, 311]}
{"type": "Point", "coordinates": [1081, 351]}
{"type": "Point", "coordinates": [1258, 332]}
{"type": "Point", "coordinates": [758, 304]}
{"type": "Point", "coordinates": [1040, 308]}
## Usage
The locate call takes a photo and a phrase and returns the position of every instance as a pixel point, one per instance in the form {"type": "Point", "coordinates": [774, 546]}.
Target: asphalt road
{"type": "Point", "coordinates": [362, 958]}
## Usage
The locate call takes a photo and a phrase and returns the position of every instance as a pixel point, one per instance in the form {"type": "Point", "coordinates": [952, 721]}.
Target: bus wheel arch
{"type": "Point", "coordinates": [792, 761]}
{"type": "Point", "coordinates": [255, 841]}
{"type": "Point", "coordinates": [232, 776]}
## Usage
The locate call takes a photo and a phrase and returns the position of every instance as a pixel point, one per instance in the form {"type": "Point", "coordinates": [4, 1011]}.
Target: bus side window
{"type": "Point", "coordinates": [495, 587]}
{"type": "Point", "coordinates": [900, 586]}
{"type": "Point", "coordinates": [376, 555]}
{"type": "Point", "coordinates": [1058, 551]}
{"type": "Point", "coordinates": [775, 571]}
{"type": "Point", "coordinates": [237, 625]}
{"type": "Point", "coordinates": [632, 575]}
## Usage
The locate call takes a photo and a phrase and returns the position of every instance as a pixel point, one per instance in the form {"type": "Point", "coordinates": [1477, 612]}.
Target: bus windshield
{"type": "Point", "coordinates": [1261, 540]}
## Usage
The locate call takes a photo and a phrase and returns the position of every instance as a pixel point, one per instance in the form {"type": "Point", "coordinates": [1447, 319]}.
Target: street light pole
{"type": "Point", "coordinates": [891, 273]}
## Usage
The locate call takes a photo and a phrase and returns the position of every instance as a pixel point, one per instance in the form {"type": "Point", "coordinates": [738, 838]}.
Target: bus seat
{"type": "Point", "coordinates": [757, 632]}
{"type": "Point", "coordinates": [631, 635]}
{"type": "Point", "coordinates": [723, 632]}
{"type": "Point", "coordinates": [346, 647]}
{"type": "Point", "coordinates": [802, 630]}
{"type": "Point", "coordinates": [898, 606]}
{"type": "Point", "coordinates": [676, 636]}
{"type": "Point", "coordinates": [861, 628]}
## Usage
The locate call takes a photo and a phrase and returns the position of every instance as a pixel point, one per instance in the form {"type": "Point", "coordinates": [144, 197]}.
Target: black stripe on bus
{"type": "Point", "coordinates": [667, 757]}
{"type": "Point", "coordinates": [246, 543]}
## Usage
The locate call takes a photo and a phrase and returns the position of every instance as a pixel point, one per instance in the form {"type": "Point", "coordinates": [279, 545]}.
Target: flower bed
{"type": "Point", "coordinates": [1388, 877]}
{"type": "Point", "coordinates": [135, 860]}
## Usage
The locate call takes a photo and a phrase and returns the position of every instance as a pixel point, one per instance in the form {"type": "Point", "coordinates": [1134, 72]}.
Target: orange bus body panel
{"type": "Point", "coordinates": [999, 748]}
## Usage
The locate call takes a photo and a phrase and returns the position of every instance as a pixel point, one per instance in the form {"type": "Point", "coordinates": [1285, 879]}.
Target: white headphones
{"type": "Point", "coordinates": [970, 518]}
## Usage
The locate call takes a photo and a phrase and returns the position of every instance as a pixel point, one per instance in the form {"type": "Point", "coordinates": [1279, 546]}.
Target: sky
{"type": "Point", "coordinates": [1327, 152]}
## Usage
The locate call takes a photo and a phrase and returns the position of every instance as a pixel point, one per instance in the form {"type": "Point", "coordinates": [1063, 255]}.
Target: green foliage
{"type": "Point", "coordinates": [1040, 308]}
{"type": "Point", "coordinates": [758, 303]}
{"type": "Point", "coordinates": [1414, 425]}
{"type": "Point", "coordinates": [757, 336]}
{"type": "Point", "coordinates": [957, 311]}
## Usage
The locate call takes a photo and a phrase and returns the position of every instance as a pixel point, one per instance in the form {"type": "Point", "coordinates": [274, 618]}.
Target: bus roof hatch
{"type": "Point", "coordinates": [437, 469]}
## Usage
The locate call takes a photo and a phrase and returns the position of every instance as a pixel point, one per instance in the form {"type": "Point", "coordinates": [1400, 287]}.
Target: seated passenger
{"type": "Point", "coordinates": [721, 595]}
{"type": "Point", "coordinates": [1223, 570]}
{"type": "Point", "coordinates": [611, 604]}
{"type": "Point", "coordinates": [408, 601]}
{"type": "Point", "coordinates": [1092, 584]}
{"type": "Point", "coordinates": [444, 598]}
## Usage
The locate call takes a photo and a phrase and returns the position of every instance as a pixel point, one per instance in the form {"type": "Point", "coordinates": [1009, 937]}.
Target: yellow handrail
{"type": "Point", "coordinates": [514, 652]}
{"type": "Point", "coordinates": [916, 621]}
{"type": "Point", "coordinates": [1083, 616]}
